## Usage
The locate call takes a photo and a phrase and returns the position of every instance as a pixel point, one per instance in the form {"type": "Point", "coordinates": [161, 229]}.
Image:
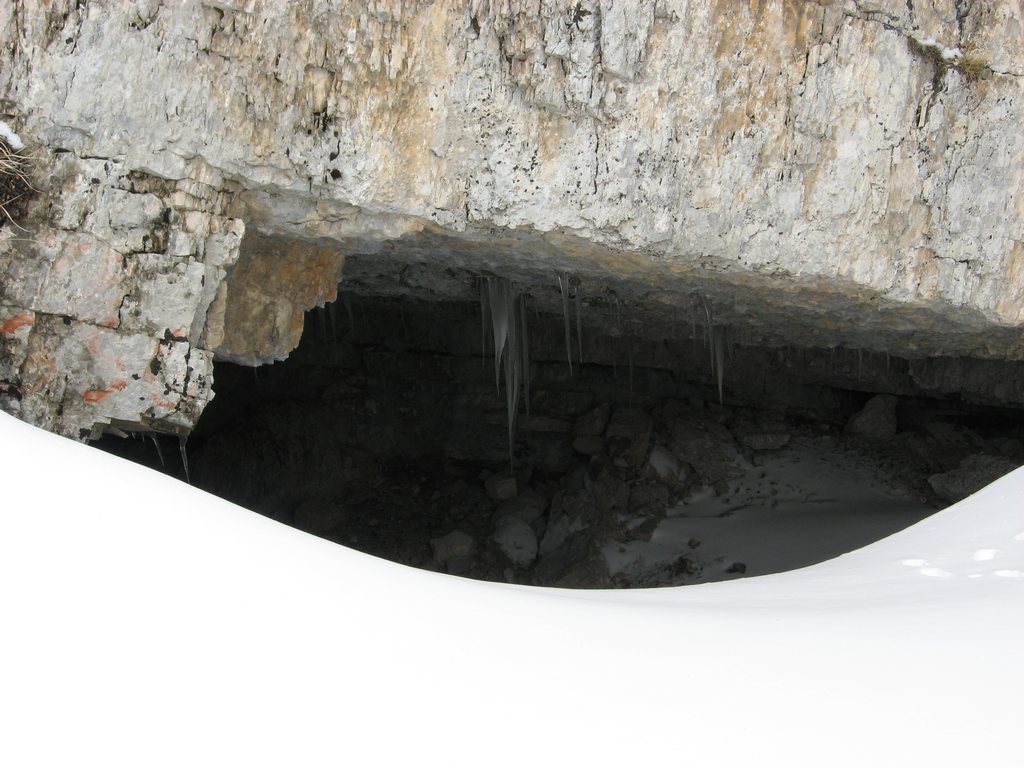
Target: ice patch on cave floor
{"type": "Point", "coordinates": [801, 505]}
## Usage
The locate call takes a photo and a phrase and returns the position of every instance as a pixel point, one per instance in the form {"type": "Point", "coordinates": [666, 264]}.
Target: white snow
{"type": "Point", "coordinates": [147, 623]}
{"type": "Point", "coordinates": [948, 54]}
{"type": "Point", "coordinates": [13, 140]}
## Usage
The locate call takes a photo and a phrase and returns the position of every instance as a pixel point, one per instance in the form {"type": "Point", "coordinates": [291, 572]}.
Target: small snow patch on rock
{"type": "Point", "coordinates": [516, 541]}
{"type": "Point", "coordinates": [13, 140]}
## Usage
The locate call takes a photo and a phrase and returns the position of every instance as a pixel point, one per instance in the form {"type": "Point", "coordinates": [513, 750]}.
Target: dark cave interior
{"type": "Point", "coordinates": [387, 430]}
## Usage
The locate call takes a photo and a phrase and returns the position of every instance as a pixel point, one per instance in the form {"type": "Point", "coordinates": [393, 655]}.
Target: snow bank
{"type": "Point", "coordinates": [147, 623]}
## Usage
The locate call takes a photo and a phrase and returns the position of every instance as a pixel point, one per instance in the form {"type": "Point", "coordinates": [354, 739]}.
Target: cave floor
{"type": "Point", "coordinates": [784, 508]}
{"type": "Point", "coordinates": [805, 503]}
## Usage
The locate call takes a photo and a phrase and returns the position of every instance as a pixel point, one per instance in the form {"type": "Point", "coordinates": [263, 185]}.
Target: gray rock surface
{"type": "Point", "coordinates": [802, 166]}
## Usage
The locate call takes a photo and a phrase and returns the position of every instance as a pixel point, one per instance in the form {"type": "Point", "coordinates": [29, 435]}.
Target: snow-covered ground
{"type": "Point", "coordinates": [148, 623]}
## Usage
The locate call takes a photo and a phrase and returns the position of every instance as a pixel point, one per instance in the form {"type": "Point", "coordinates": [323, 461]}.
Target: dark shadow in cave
{"type": "Point", "coordinates": [385, 431]}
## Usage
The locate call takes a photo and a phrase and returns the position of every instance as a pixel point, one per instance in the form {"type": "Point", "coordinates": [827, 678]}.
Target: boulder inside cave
{"type": "Point", "coordinates": [612, 443]}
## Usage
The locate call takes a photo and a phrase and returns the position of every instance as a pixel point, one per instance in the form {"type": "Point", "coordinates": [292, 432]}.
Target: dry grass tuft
{"type": "Point", "coordinates": [971, 67]}
{"type": "Point", "coordinates": [15, 184]}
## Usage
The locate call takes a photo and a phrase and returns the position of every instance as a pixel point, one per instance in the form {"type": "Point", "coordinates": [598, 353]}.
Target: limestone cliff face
{"type": "Point", "coordinates": [814, 163]}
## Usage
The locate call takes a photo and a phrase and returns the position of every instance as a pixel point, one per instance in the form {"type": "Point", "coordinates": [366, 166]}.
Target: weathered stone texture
{"type": "Point", "coordinates": [104, 306]}
{"type": "Point", "coordinates": [810, 155]}
{"type": "Point", "coordinates": [275, 281]}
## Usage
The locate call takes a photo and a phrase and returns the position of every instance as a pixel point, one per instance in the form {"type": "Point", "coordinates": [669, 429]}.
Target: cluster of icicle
{"type": "Point", "coordinates": [506, 310]}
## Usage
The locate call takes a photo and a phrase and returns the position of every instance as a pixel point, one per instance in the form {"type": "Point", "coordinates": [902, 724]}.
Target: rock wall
{"type": "Point", "coordinates": [852, 159]}
{"type": "Point", "coordinates": [104, 300]}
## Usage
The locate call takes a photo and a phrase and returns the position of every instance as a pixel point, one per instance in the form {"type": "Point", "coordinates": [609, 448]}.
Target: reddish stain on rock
{"type": "Point", "coordinates": [12, 324]}
{"type": "Point", "coordinates": [96, 395]}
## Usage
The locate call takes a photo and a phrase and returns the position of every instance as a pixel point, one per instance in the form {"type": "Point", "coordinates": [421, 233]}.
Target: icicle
{"type": "Point", "coordinates": [710, 336]}
{"type": "Point", "coordinates": [184, 457]}
{"type": "Point", "coordinates": [513, 362]}
{"type": "Point", "coordinates": [579, 322]}
{"type": "Point", "coordinates": [348, 311]}
{"type": "Point", "coordinates": [508, 325]}
{"type": "Point", "coordinates": [564, 288]}
{"type": "Point", "coordinates": [629, 353]}
{"type": "Point", "coordinates": [718, 334]}
{"type": "Point", "coordinates": [500, 306]}
{"type": "Point", "coordinates": [484, 310]}
{"type": "Point", "coordinates": [159, 451]}
{"type": "Point", "coordinates": [524, 344]}
{"type": "Point", "coordinates": [322, 317]}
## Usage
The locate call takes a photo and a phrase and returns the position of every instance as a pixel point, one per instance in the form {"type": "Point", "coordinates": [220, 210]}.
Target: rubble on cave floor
{"type": "Point", "coordinates": [681, 493]}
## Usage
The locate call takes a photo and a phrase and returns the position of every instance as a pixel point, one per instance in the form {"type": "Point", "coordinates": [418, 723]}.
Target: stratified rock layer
{"type": "Point", "coordinates": [818, 172]}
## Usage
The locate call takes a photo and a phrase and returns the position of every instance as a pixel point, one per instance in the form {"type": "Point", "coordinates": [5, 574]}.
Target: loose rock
{"type": "Point", "coordinates": [527, 508]}
{"type": "Point", "coordinates": [764, 441]}
{"type": "Point", "coordinates": [593, 422]}
{"type": "Point", "coordinates": [454, 552]}
{"type": "Point", "coordinates": [501, 487]}
{"type": "Point", "coordinates": [318, 515]}
{"type": "Point", "coordinates": [648, 497]}
{"type": "Point", "coordinates": [876, 421]}
{"type": "Point", "coordinates": [663, 465]}
{"type": "Point", "coordinates": [973, 474]}
{"type": "Point", "coordinates": [589, 445]}
{"type": "Point", "coordinates": [709, 449]}
{"type": "Point", "coordinates": [629, 434]}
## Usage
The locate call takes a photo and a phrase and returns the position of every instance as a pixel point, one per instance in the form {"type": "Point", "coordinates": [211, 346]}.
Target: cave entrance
{"type": "Point", "coordinates": [606, 446]}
